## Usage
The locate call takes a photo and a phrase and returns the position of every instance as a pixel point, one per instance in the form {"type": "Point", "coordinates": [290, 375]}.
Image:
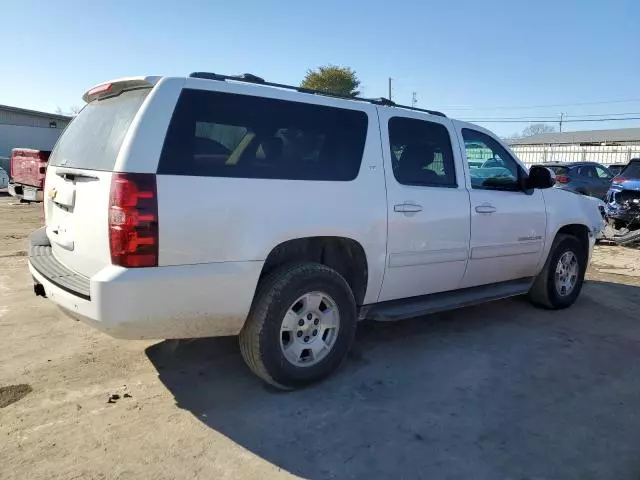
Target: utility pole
{"type": "Point", "coordinates": [414, 99]}
{"type": "Point", "coordinates": [389, 88]}
{"type": "Point", "coordinates": [562, 114]}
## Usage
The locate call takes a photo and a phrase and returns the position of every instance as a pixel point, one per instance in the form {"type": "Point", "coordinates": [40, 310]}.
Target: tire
{"type": "Point", "coordinates": [545, 292]}
{"type": "Point", "coordinates": [262, 342]}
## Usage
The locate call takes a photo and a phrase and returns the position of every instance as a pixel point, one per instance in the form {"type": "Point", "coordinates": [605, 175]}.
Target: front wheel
{"type": "Point", "coordinates": [301, 325]}
{"type": "Point", "coordinates": [560, 281]}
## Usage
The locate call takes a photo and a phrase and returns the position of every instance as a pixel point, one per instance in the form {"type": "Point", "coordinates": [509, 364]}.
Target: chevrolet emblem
{"type": "Point", "coordinates": [52, 193]}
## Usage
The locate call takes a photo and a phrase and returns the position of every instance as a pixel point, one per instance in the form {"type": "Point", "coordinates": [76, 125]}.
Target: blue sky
{"type": "Point", "coordinates": [466, 58]}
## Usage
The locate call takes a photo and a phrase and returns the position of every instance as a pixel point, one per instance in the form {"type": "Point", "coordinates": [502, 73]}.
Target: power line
{"type": "Point", "coordinates": [538, 120]}
{"type": "Point", "coordinates": [555, 117]}
{"type": "Point", "coordinates": [513, 107]}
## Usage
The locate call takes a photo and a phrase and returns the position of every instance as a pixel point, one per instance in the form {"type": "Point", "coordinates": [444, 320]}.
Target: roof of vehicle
{"type": "Point", "coordinates": [105, 89]}
{"type": "Point", "coordinates": [254, 79]}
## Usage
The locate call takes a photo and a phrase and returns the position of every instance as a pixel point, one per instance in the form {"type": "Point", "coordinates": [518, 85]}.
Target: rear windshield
{"type": "Point", "coordinates": [632, 170]}
{"type": "Point", "coordinates": [92, 140]}
{"type": "Point", "coordinates": [215, 134]}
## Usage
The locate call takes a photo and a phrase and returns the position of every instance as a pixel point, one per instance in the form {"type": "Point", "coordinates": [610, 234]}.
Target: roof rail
{"type": "Point", "coordinates": [250, 78]}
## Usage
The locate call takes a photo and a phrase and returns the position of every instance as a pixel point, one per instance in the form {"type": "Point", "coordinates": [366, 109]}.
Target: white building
{"type": "Point", "coordinates": [20, 127]}
{"type": "Point", "coordinates": [603, 146]}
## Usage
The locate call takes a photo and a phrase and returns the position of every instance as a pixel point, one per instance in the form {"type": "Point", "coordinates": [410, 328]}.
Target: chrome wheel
{"type": "Point", "coordinates": [309, 329]}
{"type": "Point", "coordinates": [566, 276]}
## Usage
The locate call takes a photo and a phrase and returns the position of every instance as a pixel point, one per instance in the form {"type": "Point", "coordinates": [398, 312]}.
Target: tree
{"type": "Point", "coordinates": [536, 128]}
{"type": "Point", "coordinates": [333, 79]}
{"type": "Point", "coordinates": [73, 110]}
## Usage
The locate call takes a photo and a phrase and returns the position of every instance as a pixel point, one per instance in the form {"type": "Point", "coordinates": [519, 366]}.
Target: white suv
{"type": "Point", "coordinates": [214, 205]}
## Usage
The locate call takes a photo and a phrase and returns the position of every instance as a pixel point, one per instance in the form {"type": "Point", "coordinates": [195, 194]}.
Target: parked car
{"type": "Point", "coordinates": [587, 178]}
{"type": "Point", "coordinates": [220, 205]}
{"type": "Point", "coordinates": [623, 197]}
{"type": "Point", "coordinates": [28, 168]}
{"type": "Point", "coordinates": [616, 168]}
{"type": "Point", "coordinates": [4, 178]}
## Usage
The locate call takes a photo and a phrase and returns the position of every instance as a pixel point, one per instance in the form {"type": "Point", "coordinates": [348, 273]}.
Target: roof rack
{"type": "Point", "coordinates": [250, 78]}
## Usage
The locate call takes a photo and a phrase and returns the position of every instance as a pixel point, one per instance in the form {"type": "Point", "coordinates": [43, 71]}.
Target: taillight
{"type": "Point", "coordinates": [562, 179]}
{"type": "Point", "coordinates": [133, 220]}
{"type": "Point", "coordinates": [105, 87]}
{"type": "Point", "coordinates": [619, 180]}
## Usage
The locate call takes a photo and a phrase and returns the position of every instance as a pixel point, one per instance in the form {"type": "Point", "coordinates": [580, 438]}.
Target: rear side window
{"type": "Point", "coordinates": [93, 139]}
{"type": "Point", "coordinates": [632, 170]}
{"type": "Point", "coordinates": [421, 153]}
{"type": "Point", "coordinates": [215, 134]}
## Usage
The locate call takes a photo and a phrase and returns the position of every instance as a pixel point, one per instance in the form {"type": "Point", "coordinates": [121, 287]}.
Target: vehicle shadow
{"type": "Point", "coordinates": [501, 390]}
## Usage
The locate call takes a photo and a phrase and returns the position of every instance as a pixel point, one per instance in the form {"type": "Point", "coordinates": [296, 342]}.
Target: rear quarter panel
{"type": "Point", "coordinates": [212, 219]}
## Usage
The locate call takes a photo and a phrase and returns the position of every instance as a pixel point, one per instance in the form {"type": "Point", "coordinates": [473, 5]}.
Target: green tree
{"type": "Point", "coordinates": [333, 79]}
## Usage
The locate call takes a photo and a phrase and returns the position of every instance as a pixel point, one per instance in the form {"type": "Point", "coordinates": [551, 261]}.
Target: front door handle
{"type": "Point", "coordinates": [485, 209]}
{"type": "Point", "coordinates": [407, 207]}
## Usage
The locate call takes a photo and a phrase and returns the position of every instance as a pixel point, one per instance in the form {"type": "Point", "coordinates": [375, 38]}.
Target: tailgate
{"type": "Point", "coordinates": [76, 211]}
{"type": "Point", "coordinates": [78, 181]}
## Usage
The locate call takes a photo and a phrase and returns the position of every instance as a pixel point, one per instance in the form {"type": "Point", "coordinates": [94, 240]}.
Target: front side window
{"type": "Point", "coordinates": [497, 170]}
{"type": "Point", "coordinates": [421, 153]}
{"type": "Point", "coordinates": [216, 134]}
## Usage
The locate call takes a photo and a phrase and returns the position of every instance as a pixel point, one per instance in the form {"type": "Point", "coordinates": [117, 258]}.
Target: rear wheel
{"type": "Point", "coordinates": [301, 325]}
{"type": "Point", "coordinates": [560, 281]}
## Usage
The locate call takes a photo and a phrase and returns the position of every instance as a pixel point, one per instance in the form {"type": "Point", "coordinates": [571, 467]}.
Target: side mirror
{"type": "Point", "coordinates": [540, 177]}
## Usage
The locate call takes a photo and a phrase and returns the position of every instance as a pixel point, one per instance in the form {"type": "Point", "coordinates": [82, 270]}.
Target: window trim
{"type": "Point", "coordinates": [423, 184]}
{"type": "Point", "coordinates": [518, 187]}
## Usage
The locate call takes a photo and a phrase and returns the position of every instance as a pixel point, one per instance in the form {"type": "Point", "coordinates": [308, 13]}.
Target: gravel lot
{"type": "Point", "coordinates": [492, 392]}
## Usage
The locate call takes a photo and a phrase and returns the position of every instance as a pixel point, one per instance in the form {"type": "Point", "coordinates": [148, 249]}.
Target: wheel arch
{"type": "Point", "coordinates": [345, 255]}
{"type": "Point", "coordinates": [578, 230]}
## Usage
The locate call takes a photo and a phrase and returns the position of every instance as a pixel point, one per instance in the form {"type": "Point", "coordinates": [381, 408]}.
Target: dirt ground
{"type": "Point", "coordinates": [502, 390]}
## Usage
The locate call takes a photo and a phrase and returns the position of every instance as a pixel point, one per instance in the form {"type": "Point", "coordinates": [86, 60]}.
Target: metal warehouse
{"type": "Point", "coordinates": [20, 127]}
{"type": "Point", "coordinates": [603, 146]}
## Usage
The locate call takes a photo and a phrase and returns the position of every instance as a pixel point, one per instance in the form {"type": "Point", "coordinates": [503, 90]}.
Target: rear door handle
{"type": "Point", "coordinates": [485, 209]}
{"type": "Point", "coordinates": [407, 207]}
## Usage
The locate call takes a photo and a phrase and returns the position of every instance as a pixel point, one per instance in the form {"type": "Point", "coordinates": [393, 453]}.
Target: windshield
{"type": "Point", "coordinates": [93, 139]}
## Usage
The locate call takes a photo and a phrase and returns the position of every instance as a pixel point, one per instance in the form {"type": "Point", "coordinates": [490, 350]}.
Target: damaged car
{"type": "Point", "coordinates": [622, 205]}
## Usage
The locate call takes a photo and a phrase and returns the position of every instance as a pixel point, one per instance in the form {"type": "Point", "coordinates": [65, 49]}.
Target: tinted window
{"type": "Point", "coordinates": [587, 171]}
{"type": "Point", "coordinates": [498, 170]}
{"type": "Point", "coordinates": [93, 139]}
{"type": "Point", "coordinates": [632, 170]}
{"type": "Point", "coordinates": [217, 134]}
{"type": "Point", "coordinates": [421, 153]}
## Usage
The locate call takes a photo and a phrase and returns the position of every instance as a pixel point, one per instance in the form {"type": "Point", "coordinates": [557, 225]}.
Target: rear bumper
{"type": "Point", "coordinates": [14, 189]}
{"type": "Point", "coordinates": [187, 301]}
{"type": "Point", "coordinates": [27, 192]}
